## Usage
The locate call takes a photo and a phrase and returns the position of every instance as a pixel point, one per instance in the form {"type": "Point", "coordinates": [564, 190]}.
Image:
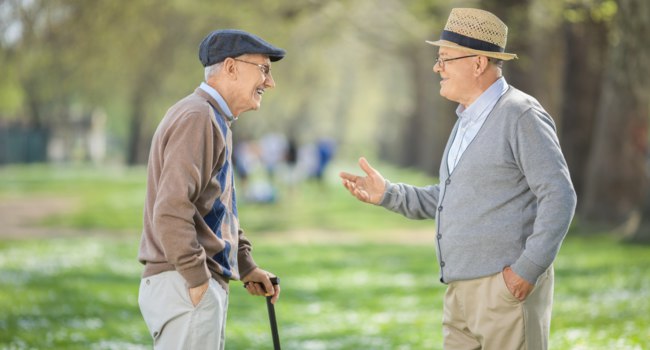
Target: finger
{"type": "Point", "coordinates": [366, 167]}
{"type": "Point", "coordinates": [361, 195]}
{"type": "Point", "coordinates": [352, 187]}
{"type": "Point", "coordinates": [276, 296]}
{"type": "Point", "coordinates": [268, 288]}
{"type": "Point", "coordinates": [520, 295]}
{"type": "Point", "coordinates": [259, 289]}
{"type": "Point", "coordinates": [348, 176]}
{"type": "Point", "coordinates": [254, 288]}
{"type": "Point", "coordinates": [250, 288]}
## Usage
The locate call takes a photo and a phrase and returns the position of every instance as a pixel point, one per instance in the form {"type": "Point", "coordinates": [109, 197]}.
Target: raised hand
{"type": "Point", "coordinates": [369, 188]}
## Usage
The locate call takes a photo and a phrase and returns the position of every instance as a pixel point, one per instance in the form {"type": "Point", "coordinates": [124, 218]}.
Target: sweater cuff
{"type": "Point", "coordinates": [246, 264]}
{"type": "Point", "coordinates": [196, 276]}
{"type": "Point", "coordinates": [389, 197]}
{"type": "Point", "coordinates": [527, 269]}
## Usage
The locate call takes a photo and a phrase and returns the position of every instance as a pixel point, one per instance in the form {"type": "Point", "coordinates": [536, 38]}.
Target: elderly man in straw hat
{"type": "Point", "coordinates": [504, 201]}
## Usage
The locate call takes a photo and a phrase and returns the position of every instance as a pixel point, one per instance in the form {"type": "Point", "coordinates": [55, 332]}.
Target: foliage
{"type": "Point", "coordinates": [595, 10]}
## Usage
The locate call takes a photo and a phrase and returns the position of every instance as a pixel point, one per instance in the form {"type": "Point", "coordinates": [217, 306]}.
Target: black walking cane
{"type": "Point", "coordinates": [274, 325]}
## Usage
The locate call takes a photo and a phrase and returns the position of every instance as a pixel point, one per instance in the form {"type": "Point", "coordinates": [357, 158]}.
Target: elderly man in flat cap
{"type": "Point", "coordinates": [192, 244]}
{"type": "Point", "coordinates": [504, 201]}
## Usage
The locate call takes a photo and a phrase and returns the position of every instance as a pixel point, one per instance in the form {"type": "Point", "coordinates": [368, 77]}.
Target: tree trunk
{"type": "Point", "coordinates": [617, 181]}
{"type": "Point", "coordinates": [514, 13]}
{"type": "Point", "coordinates": [586, 47]}
{"type": "Point", "coordinates": [133, 153]}
{"type": "Point", "coordinates": [432, 118]}
{"type": "Point", "coordinates": [411, 150]}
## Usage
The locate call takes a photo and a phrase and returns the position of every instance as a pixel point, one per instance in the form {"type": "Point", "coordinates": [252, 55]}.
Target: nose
{"type": "Point", "coordinates": [268, 81]}
{"type": "Point", "coordinates": [436, 68]}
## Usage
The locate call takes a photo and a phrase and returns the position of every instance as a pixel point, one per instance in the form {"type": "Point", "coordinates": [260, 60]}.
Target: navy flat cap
{"type": "Point", "coordinates": [224, 43]}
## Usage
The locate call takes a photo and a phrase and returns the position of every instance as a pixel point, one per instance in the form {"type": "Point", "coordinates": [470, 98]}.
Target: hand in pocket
{"type": "Point", "coordinates": [519, 287]}
{"type": "Point", "coordinates": [196, 293]}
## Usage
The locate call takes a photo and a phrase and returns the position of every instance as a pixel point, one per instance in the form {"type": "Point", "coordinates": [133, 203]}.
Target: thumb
{"type": "Point", "coordinates": [365, 166]}
{"type": "Point", "coordinates": [268, 286]}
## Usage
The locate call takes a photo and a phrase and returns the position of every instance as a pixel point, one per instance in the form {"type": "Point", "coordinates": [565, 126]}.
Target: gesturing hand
{"type": "Point", "coordinates": [369, 188]}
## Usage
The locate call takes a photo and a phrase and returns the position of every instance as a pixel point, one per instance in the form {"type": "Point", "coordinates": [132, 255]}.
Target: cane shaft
{"type": "Point", "coordinates": [274, 324]}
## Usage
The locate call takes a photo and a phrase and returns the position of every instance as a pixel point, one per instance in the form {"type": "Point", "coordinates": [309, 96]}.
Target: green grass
{"type": "Point", "coordinates": [80, 292]}
{"type": "Point", "coordinates": [112, 198]}
{"type": "Point", "coordinates": [104, 198]}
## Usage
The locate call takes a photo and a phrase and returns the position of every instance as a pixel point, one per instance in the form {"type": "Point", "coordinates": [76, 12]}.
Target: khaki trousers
{"type": "Point", "coordinates": [483, 314]}
{"type": "Point", "coordinates": [173, 322]}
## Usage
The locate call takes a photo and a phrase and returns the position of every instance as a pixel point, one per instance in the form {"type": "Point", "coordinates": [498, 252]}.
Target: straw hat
{"type": "Point", "coordinates": [475, 31]}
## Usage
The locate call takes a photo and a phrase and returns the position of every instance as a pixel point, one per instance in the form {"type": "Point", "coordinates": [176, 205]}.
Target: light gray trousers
{"type": "Point", "coordinates": [173, 322]}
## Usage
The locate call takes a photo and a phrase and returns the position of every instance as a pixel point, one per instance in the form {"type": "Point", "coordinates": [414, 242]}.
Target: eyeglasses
{"type": "Point", "coordinates": [264, 68]}
{"type": "Point", "coordinates": [441, 61]}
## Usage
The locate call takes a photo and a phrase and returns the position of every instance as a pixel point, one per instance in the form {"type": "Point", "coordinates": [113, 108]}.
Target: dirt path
{"type": "Point", "coordinates": [315, 236]}
{"type": "Point", "coordinates": [20, 216]}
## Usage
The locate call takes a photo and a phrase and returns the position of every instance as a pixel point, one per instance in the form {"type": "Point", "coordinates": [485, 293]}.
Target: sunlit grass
{"type": "Point", "coordinates": [602, 295]}
{"type": "Point", "coordinates": [113, 198]}
{"type": "Point", "coordinates": [80, 292]}
{"type": "Point", "coordinates": [69, 293]}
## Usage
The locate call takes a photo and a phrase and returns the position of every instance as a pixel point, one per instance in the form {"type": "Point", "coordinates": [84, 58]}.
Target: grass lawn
{"type": "Point", "coordinates": [353, 276]}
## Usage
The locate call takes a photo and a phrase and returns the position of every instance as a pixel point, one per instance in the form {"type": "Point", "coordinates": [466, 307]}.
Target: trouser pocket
{"type": "Point", "coordinates": [161, 299]}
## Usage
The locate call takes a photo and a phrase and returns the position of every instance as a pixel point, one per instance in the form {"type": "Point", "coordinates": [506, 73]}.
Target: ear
{"type": "Point", "coordinates": [230, 68]}
{"type": "Point", "coordinates": [480, 65]}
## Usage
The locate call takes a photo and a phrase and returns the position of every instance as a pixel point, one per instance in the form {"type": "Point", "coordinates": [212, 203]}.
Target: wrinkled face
{"type": "Point", "coordinates": [253, 78]}
{"type": "Point", "coordinates": [456, 76]}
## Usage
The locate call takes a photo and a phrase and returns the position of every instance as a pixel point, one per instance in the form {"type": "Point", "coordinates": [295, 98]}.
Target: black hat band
{"type": "Point", "coordinates": [470, 43]}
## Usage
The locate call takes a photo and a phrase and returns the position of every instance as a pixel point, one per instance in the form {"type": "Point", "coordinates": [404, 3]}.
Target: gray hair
{"type": "Point", "coordinates": [497, 62]}
{"type": "Point", "coordinates": [212, 70]}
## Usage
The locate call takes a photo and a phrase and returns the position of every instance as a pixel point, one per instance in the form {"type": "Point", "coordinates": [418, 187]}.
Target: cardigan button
{"type": "Point", "coordinates": [448, 182]}
{"type": "Point", "coordinates": [440, 208]}
{"type": "Point", "coordinates": [442, 264]}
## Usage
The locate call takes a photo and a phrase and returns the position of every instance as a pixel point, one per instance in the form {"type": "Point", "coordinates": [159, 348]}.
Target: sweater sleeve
{"type": "Point", "coordinates": [538, 154]}
{"type": "Point", "coordinates": [410, 201]}
{"type": "Point", "coordinates": [245, 260]}
{"type": "Point", "coordinates": [188, 146]}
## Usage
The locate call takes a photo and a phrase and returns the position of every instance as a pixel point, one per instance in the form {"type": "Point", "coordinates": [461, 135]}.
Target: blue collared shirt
{"type": "Point", "coordinates": [471, 120]}
{"type": "Point", "coordinates": [217, 97]}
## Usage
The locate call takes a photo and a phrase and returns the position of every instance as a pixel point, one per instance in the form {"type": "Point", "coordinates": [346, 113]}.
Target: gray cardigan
{"type": "Point", "coordinates": [508, 202]}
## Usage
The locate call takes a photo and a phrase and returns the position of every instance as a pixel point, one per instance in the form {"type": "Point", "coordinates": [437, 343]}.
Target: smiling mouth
{"type": "Point", "coordinates": [259, 91]}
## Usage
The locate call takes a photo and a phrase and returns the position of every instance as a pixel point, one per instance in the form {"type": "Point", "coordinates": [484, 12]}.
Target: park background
{"type": "Point", "coordinates": [83, 85]}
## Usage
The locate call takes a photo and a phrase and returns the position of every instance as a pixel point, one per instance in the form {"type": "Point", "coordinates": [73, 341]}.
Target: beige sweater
{"type": "Point", "coordinates": [190, 214]}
